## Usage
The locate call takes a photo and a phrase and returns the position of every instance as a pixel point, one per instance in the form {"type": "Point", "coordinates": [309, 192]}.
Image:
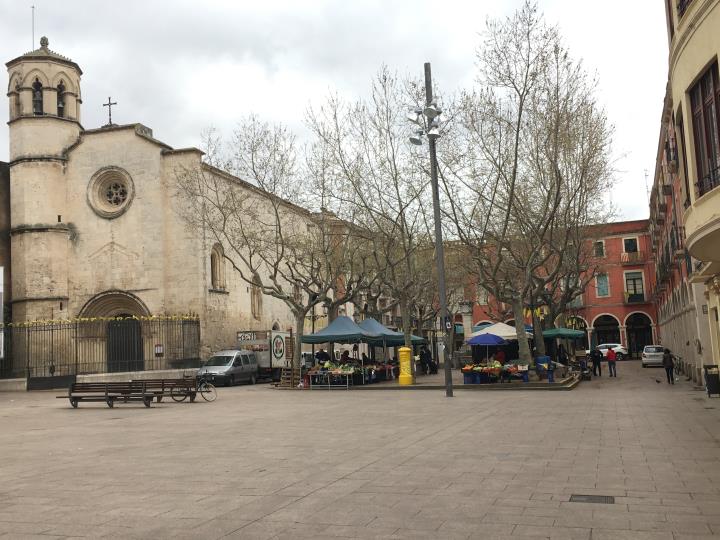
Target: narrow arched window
{"type": "Point", "coordinates": [256, 300]}
{"type": "Point", "coordinates": [217, 268]}
{"type": "Point", "coordinates": [37, 100]}
{"type": "Point", "coordinates": [61, 100]}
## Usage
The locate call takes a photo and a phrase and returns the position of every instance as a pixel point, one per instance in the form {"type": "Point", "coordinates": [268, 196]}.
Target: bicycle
{"type": "Point", "coordinates": [205, 389]}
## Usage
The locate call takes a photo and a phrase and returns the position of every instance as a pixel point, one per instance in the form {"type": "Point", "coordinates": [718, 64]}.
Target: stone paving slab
{"type": "Point", "coordinates": [264, 464]}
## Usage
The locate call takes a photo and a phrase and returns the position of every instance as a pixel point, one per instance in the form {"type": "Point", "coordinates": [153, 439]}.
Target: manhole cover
{"type": "Point", "coordinates": [600, 499]}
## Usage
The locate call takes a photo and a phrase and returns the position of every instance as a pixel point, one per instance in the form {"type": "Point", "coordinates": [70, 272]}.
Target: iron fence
{"type": "Point", "coordinates": [61, 349]}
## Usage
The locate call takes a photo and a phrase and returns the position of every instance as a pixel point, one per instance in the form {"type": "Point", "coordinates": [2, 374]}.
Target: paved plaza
{"type": "Point", "coordinates": [264, 463]}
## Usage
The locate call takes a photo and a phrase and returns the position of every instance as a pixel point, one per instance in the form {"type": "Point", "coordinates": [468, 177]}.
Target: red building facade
{"type": "Point", "coordinates": [617, 306]}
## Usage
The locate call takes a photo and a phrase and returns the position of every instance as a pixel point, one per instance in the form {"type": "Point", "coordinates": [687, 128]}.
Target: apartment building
{"type": "Point", "coordinates": [681, 305]}
{"type": "Point", "coordinates": [694, 115]}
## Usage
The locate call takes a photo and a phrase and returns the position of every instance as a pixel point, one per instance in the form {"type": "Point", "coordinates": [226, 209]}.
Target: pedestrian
{"type": "Point", "coordinates": [669, 366]}
{"type": "Point", "coordinates": [596, 356]}
{"type": "Point", "coordinates": [611, 360]}
{"type": "Point", "coordinates": [321, 356]}
{"type": "Point", "coordinates": [425, 360]}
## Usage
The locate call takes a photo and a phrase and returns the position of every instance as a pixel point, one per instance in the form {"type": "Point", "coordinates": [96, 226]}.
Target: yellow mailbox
{"type": "Point", "coordinates": [406, 370]}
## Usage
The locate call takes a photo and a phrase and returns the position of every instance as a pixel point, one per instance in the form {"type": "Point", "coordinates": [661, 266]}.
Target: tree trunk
{"type": "Point", "coordinates": [524, 346]}
{"type": "Point", "coordinates": [405, 314]}
{"type": "Point", "coordinates": [537, 331]}
{"type": "Point", "coordinates": [297, 349]}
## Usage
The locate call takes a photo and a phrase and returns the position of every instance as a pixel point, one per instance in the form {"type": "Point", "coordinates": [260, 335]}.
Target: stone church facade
{"type": "Point", "coordinates": [93, 231]}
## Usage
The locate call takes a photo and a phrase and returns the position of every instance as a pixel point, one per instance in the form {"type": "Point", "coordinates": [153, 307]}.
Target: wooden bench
{"type": "Point", "coordinates": [164, 387]}
{"type": "Point", "coordinates": [109, 392]}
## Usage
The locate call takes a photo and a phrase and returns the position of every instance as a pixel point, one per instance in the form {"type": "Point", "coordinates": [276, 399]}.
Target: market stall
{"type": "Point", "coordinates": [493, 370]}
{"type": "Point", "coordinates": [351, 371]}
{"type": "Point", "coordinates": [380, 370]}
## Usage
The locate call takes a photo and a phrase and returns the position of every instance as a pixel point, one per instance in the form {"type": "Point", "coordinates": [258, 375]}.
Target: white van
{"type": "Point", "coordinates": [230, 367]}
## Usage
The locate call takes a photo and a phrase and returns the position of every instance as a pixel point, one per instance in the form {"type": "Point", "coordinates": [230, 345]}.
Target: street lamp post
{"type": "Point", "coordinates": [431, 113]}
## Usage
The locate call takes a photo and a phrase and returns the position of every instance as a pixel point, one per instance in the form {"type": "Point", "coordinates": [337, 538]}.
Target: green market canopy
{"type": "Point", "coordinates": [563, 333]}
{"type": "Point", "coordinates": [387, 336]}
{"type": "Point", "coordinates": [342, 330]}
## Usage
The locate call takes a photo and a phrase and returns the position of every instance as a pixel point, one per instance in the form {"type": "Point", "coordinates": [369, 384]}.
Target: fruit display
{"type": "Point", "coordinates": [480, 373]}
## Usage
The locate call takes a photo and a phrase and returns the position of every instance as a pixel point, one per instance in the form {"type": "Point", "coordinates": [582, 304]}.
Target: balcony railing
{"type": "Point", "coordinates": [633, 257]}
{"type": "Point", "coordinates": [682, 6]}
{"type": "Point", "coordinates": [710, 182]}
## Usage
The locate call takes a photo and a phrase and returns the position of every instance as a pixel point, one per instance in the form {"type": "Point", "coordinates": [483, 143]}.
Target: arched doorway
{"type": "Point", "coordinates": [578, 323]}
{"type": "Point", "coordinates": [639, 333]}
{"type": "Point", "coordinates": [122, 334]}
{"type": "Point", "coordinates": [606, 330]}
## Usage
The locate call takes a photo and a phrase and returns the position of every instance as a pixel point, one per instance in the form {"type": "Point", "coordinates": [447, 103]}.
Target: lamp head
{"type": "Point", "coordinates": [416, 139]}
{"type": "Point", "coordinates": [431, 111]}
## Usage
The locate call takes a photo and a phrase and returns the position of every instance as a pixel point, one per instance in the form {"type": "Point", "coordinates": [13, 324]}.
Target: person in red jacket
{"type": "Point", "coordinates": [612, 360]}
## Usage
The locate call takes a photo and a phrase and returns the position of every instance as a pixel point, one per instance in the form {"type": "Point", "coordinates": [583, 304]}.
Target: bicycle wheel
{"type": "Point", "coordinates": [179, 393]}
{"type": "Point", "coordinates": [207, 391]}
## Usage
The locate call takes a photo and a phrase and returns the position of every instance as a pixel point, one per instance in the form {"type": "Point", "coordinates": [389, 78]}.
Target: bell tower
{"type": "Point", "coordinates": [44, 99]}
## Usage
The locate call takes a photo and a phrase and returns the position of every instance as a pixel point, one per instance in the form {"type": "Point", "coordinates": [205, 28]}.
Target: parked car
{"type": "Point", "coordinates": [230, 367]}
{"type": "Point", "coordinates": [620, 351]}
{"type": "Point", "coordinates": [652, 355]}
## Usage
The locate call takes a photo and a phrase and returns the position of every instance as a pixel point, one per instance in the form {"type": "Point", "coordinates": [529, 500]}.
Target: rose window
{"type": "Point", "coordinates": [116, 193]}
{"type": "Point", "coordinates": [110, 192]}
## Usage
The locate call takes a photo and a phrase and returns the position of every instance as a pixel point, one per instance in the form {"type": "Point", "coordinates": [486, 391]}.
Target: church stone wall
{"type": "Point", "coordinates": [5, 231]}
{"type": "Point", "coordinates": [125, 253]}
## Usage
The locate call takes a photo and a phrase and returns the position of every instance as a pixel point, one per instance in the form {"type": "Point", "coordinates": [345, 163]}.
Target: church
{"type": "Point", "coordinates": [88, 231]}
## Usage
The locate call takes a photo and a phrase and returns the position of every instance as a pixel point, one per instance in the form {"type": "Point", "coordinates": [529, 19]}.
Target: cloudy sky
{"type": "Point", "coordinates": [182, 66]}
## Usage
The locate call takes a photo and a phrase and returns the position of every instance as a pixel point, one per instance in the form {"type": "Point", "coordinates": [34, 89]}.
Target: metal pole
{"type": "Point", "coordinates": [439, 251]}
{"type": "Point", "coordinates": [313, 331]}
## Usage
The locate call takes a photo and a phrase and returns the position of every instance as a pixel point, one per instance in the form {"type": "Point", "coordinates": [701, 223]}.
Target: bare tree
{"type": "Point", "coordinates": [376, 186]}
{"type": "Point", "coordinates": [272, 242]}
{"type": "Point", "coordinates": [528, 164]}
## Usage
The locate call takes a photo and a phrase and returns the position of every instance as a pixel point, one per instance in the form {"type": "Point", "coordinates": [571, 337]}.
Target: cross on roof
{"type": "Point", "coordinates": [109, 105]}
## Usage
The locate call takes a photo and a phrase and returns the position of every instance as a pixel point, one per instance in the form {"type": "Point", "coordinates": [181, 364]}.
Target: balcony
{"type": "Point", "coordinates": [633, 257]}
{"type": "Point", "coordinates": [710, 182]}
{"type": "Point", "coordinates": [702, 222]}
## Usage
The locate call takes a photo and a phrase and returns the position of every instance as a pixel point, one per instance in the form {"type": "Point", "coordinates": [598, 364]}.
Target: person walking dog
{"type": "Point", "coordinates": [669, 366]}
{"type": "Point", "coordinates": [611, 360]}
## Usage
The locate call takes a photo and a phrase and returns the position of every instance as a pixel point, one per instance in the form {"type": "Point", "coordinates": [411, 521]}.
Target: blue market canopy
{"type": "Point", "coordinates": [389, 337]}
{"type": "Point", "coordinates": [487, 340]}
{"type": "Point", "coordinates": [342, 330]}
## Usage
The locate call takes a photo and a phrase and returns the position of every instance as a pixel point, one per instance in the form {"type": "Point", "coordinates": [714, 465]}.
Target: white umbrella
{"type": "Point", "coordinates": [502, 330]}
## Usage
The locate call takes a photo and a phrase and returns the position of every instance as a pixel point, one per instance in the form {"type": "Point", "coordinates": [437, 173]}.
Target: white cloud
{"type": "Point", "coordinates": [182, 66]}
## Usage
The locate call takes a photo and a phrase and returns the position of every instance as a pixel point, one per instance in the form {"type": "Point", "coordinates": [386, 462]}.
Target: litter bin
{"type": "Point", "coordinates": [712, 379]}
